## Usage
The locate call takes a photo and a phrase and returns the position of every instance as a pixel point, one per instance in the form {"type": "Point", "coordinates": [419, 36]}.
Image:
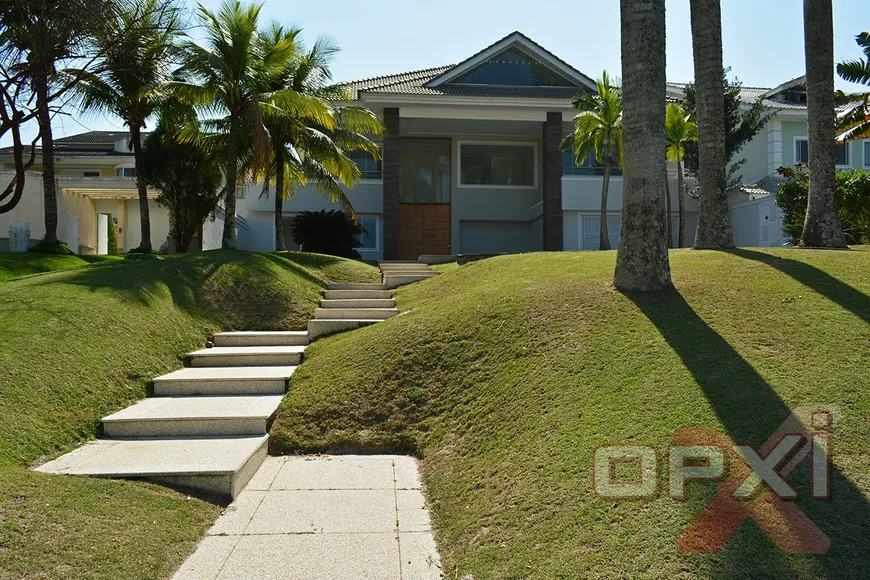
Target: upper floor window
{"type": "Point", "coordinates": [90, 174]}
{"type": "Point", "coordinates": [590, 165]}
{"type": "Point", "coordinates": [841, 152]}
{"type": "Point", "coordinates": [513, 68]}
{"type": "Point", "coordinates": [802, 152]}
{"type": "Point", "coordinates": [369, 167]}
{"type": "Point", "coordinates": [125, 172]}
{"type": "Point", "coordinates": [498, 164]}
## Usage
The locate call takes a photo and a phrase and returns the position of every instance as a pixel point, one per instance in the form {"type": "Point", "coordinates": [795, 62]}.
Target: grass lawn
{"type": "Point", "coordinates": [81, 343]}
{"type": "Point", "coordinates": [504, 375]}
{"type": "Point", "coordinates": [15, 265]}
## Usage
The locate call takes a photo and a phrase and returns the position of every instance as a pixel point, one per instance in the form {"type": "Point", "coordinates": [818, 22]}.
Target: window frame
{"type": "Point", "coordinates": [536, 170]}
{"type": "Point", "coordinates": [848, 164]}
{"type": "Point", "coordinates": [795, 151]}
{"type": "Point", "coordinates": [837, 165]}
{"type": "Point", "coordinates": [381, 162]}
{"type": "Point", "coordinates": [866, 157]}
{"type": "Point", "coordinates": [122, 167]}
{"type": "Point", "coordinates": [377, 233]}
{"type": "Point", "coordinates": [615, 171]}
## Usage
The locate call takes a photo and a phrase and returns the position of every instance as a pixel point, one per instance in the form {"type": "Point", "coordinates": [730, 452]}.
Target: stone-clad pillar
{"type": "Point", "coordinates": [391, 184]}
{"type": "Point", "coordinates": [552, 190]}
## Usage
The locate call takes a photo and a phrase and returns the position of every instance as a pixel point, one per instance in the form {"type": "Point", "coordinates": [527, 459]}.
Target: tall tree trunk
{"type": "Point", "coordinates": [681, 196]}
{"type": "Point", "coordinates": [642, 260]}
{"type": "Point", "coordinates": [279, 200]}
{"type": "Point", "coordinates": [229, 235]}
{"type": "Point", "coordinates": [822, 228]}
{"type": "Point", "coordinates": [714, 218]}
{"type": "Point", "coordinates": [144, 213]}
{"type": "Point", "coordinates": [604, 238]}
{"type": "Point", "coordinates": [49, 186]}
{"type": "Point", "coordinates": [668, 211]}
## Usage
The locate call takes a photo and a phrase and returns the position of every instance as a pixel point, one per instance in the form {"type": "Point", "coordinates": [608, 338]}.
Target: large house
{"type": "Point", "coordinates": [471, 164]}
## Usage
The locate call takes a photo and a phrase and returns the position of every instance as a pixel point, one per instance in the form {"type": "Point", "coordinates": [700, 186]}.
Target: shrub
{"type": "Point", "coordinates": [327, 232]}
{"type": "Point", "coordinates": [55, 247]}
{"type": "Point", "coordinates": [852, 196]}
{"type": "Point", "coordinates": [113, 236]}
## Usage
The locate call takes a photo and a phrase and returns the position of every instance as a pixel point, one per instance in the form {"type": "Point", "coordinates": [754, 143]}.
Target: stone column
{"type": "Point", "coordinates": [552, 186]}
{"type": "Point", "coordinates": [391, 184]}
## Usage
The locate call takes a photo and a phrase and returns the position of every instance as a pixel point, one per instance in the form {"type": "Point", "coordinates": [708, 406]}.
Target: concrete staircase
{"type": "Point", "coordinates": [206, 427]}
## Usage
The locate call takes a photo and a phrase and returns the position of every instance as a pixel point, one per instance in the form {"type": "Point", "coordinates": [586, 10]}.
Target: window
{"type": "Point", "coordinates": [497, 164]}
{"type": "Point", "coordinates": [369, 236]}
{"type": "Point", "coordinates": [841, 152]}
{"type": "Point", "coordinates": [125, 172]}
{"type": "Point", "coordinates": [91, 174]}
{"type": "Point", "coordinates": [513, 68]}
{"type": "Point", "coordinates": [802, 152]}
{"type": "Point", "coordinates": [867, 153]}
{"type": "Point", "coordinates": [589, 167]}
{"type": "Point", "coordinates": [424, 170]}
{"type": "Point", "coordinates": [369, 167]}
{"type": "Point", "coordinates": [240, 191]}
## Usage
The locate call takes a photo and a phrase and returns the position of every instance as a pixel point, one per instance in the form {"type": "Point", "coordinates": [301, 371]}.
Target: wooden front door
{"type": "Point", "coordinates": [424, 228]}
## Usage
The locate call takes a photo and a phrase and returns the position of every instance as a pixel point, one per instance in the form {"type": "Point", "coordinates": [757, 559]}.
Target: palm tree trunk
{"type": "Point", "coordinates": [642, 260]}
{"type": "Point", "coordinates": [681, 196]}
{"type": "Point", "coordinates": [49, 186]}
{"type": "Point", "coordinates": [604, 239]}
{"type": "Point", "coordinates": [668, 211]}
{"type": "Point", "coordinates": [229, 236]}
{"type": "Point", "coordinates": [714, 217]}
{"type": "Point", "coordinates": [144, 212]}
{"type": "Point", "coordinates": [822, 228]}
{"type": "Point", "coordinates": [279, 199]}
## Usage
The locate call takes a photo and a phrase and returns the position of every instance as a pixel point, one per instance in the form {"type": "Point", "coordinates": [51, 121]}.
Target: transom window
{"type": "Point", "coordinates": [369, 167]}
{"type": "Point", "coordinates": [589, 166]}
{"type": "Point", "coordinates": [498, 164]}
{"type": "Point", "coordinates": [802, 152]}
{"type": "Point", "coordinates": [513, 68]}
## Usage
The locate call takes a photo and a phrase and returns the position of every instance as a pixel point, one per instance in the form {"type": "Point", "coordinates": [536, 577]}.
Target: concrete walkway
{"type": "Point", "coordinates": [323, 517]}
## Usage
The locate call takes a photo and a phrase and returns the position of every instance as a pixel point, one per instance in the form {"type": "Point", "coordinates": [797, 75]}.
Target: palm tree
{"type": "Point", "coordinates": [224, 79]}
{"type": "Point", "coordinates": [131, 76]}
{"type": "Point", "coordinates": [303, 151]}
{"type": "Point", "coordinates": [855, 122]}
{"type": "Point", "coordinates": [714, 217]}
{"type": "Point", "coordinates": [642, 260]}
{"type": "Point", "coordinates": [679, 130]}
{"type": "Point", "coordinates": [598, 130]}
{"type": "Point", "coordinates": [822, 226]}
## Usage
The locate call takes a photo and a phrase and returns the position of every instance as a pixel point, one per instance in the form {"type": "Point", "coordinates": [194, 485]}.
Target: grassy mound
{"type": "Point", "coordinates": [506, 374]}
{"type": "Point", "coordinates": [14, 265]}
{"type": "Point", "coordinates": [82, 343]}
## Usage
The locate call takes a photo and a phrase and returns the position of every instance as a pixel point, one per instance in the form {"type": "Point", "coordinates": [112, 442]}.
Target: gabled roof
{"type": "Point", "coordinates": [528, 45]}
{"type": "Point", "coordinates": [800, 81]}
{"type": "Point", "coordinates": [95, 137]}
{"type": "Point", "coordinates": [748, 95]}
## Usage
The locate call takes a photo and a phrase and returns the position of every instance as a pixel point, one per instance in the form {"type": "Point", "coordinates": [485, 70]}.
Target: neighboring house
{"type": "Point", "coordinates": [94, 172]}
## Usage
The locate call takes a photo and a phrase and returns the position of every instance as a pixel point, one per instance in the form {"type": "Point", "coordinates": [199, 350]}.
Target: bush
{"type": "Point", "coordinates": [55, 247]}
{"type": "Point", "coordinates": [327, 232]}
{"type": "Point", "coordinates": [852, 196]}
{"type": "Point", "coordinates": [113, 236]}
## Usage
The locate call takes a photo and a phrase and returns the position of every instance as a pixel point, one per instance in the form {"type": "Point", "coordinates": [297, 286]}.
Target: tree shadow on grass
{"type": "Point", "coordinates": [751, 411]}
{"type": "Point", "coordinates": [831, 288]}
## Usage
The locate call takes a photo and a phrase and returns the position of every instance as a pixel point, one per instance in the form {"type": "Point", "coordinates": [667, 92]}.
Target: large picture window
{"type": "Point", "coordinates": [424, 171]}
{"type": "Point", "coordinates": [497, 164]}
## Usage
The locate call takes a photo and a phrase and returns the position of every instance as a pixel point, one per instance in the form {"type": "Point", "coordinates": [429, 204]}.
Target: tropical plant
{"type": "Point", "coordinates": [598, 131]}
{"type": "Point", "coordinates": [225, 81]}
{"type": "Point", "coordinates": [331, 232]}
{"type": "Point", "coordinates": [679, 130]}
{"type": "Point", "coordinates": [742, 124]}
{"type": "Point", "coordinates": [188, 181]}
{"type": "Point", "coordinates": [112, 236]}
{"type": "Point", "coordinates": [132, 69]}
{"type": "Point", "coordinates": [822, 227]}
{"type": "Point", "coordinates": [714, 217]}
{"type": "Point", "coordinates": [303, 151]}
{"type": "Point", "coordinates": [642, 262]}
{"type": "Point", "coordinates": [854, 122]}
{"type": "Point", "coordinates": [36, 38]}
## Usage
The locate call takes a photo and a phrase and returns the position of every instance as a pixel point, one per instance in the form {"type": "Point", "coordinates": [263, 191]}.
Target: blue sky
{"type": "Point", "coordinates": [763, 39]}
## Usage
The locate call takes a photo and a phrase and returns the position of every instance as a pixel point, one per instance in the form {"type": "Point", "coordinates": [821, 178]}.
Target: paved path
{"type": "Point", "coordinates": [323, 517]}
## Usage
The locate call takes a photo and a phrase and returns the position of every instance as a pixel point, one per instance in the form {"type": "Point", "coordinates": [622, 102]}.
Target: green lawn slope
{"type": "Point", "coordinates": [504, 375]}
{"type": "Point", "coordinates": [14, 265]}
{"type": "Point", "coordinates": [81, 343]}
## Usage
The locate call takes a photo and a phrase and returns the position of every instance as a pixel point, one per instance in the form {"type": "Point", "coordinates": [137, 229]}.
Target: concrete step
{"type": "Point", "coordinates": [326, 326]}
{"type": "Point", "coordinates": [355, 313]}
{"type": "Point", "coordinates": [359, 303]}
{"type": "Point", "coordinates": [357, 294]}
{"type": "Point", "coordinates": [217, 465]}
{"type": "Point", "coordinates": [356, 287]}
{"type": "Point", "coordinates": [246, 356]}
{"type": "Point", "coordinates": [193, 417]}
{"type": "Point", "coordinates": [403, 267]}
{"type": "Point", "coordinates": [262, 338]}
{"type": "Point", "coordinates": [394, 281]}
{"type": "Point", "coordinates": [224, 381]}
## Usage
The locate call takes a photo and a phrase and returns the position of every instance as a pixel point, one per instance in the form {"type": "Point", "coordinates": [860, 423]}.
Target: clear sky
{"type": "Point", "coordinates": [763, 39]}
